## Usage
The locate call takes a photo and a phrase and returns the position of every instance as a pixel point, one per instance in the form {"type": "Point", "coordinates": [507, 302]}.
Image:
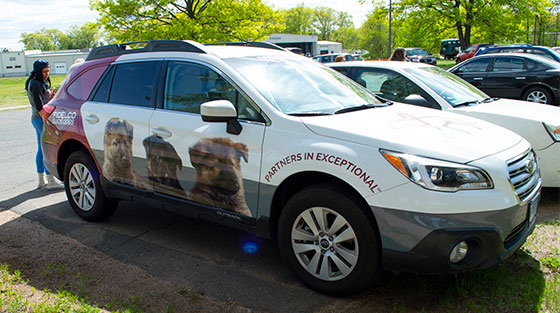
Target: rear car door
{"type": "Point", "coordinates": [116, 121]}
{"type": "Point", "coordinates": [507, 77]}
{"type": "Point", "coordinates": [200, 161]}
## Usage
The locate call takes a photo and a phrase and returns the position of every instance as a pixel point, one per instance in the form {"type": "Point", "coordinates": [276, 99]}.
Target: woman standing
{"type": "Point", "coordinates": [38, 87]}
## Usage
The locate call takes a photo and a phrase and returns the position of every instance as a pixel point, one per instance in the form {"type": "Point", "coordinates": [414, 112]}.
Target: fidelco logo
{"type": "Point", "coordinates": [64, 118]}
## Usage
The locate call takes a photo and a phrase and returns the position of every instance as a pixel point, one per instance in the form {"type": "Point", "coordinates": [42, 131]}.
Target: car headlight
{"type": "Point", "coordinates": [414, 59]}
{"type": "Point", "coordinates": [554, 131]}
{"type": "Point", "coordinates": [438, 175]}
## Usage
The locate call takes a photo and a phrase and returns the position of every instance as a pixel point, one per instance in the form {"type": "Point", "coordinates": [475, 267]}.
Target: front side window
{"type": "Point", "coordinates": [133, 83]}
{"type": "Point", "coordinates": [475, 66]}
{"type": "Point", "coordinates": [389, 85]}
{"type": "Point", "coordinates": [507, 64]}
{"type": "Point", "coordinates": [188, 85]}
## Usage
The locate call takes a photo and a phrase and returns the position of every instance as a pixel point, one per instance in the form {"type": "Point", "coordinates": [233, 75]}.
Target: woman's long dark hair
{"type": "Point", "coordinates": [37, 73]}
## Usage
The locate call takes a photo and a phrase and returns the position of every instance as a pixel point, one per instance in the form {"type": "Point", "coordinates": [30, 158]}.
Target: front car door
{"type": "Point", "coordinates": [200, 161]}
{"type": "Point", "coordinates": [474, 71]}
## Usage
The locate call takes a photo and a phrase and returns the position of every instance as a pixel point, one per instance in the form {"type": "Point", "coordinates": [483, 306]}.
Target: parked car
{"type": "Point", "coordinates": [328, 58]}
{"type": "Point", "coordinates": [420, 55]}
{"type": "Point", "coordinates": [433, 87]}
{"type": "Point", "coordinates": [450, 48]}
{"type": "Point", "coordinates": [516, 76]}
{"type": "Point", "coordinates": [273, 143]}
{"type": "Point", "coordinates": [469, 52]}
{"type": "Point", "coordinates": [539, 50]}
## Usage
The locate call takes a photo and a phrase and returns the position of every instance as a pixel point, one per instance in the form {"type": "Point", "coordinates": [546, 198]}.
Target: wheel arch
{"type": "Point", "coordinates": [537, 85]}
{"type": "Point", "coordinates": [299, 181]}
{"type": "Point", "coordinates": [66, 149]}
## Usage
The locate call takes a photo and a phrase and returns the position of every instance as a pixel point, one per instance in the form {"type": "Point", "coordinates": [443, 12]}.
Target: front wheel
{"type": "Point", "coordinates": [538, 94]}
{"type": "Point", "coordinates": [329, 242]}
{"type": "Point", "coordinates": [83, 189]}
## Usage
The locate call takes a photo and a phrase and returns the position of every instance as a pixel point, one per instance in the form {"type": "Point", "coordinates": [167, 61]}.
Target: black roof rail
{"type": "Point", "coordinates": [149, 46]}
{"type": "Point", "coordinates": [257, 44]}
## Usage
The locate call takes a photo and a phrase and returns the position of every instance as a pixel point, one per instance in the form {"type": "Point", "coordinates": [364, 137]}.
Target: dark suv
{"type": "Point", "coordinates": [539, 50]}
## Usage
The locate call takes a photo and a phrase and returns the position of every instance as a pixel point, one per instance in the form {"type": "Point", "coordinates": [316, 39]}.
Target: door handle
{"type": "Point", "coordinates": [520, 77]}
{"type": "Point", "coordinates": [161, 132]}
{"type": "Point", "coordinates": [92, 118]}
{"type": "Point", "coordinates": [478, 78]}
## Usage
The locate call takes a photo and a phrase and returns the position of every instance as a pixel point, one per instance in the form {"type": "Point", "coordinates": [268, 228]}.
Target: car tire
{"type": "Point", "coordinates": [83, 189]}
{"type": "Point", "coordinates": [538, 94]}
{"type": "Point", "coordinates": [329, 242]}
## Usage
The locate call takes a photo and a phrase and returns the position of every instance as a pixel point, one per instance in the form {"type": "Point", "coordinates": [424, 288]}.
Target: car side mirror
{"type": "Point", "coordinates": [418, 100]}
{"type": "Point", "coordinates": [221, 111]}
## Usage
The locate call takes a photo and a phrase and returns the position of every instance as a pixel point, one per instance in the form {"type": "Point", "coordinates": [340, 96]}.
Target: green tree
{"type": "Point", "coordinates": [492, 20]}
{"type": "Point", "coordinates": [86, 36]}
{"type": "Point", "coordinates": [200, 20]}
{"type": "Point", "coordinates": [298, 20]}
{"type": "Point", "coordinates": [374, 34]}
{"type": "Point", "coordinates": [45, 39]}
{"type": "Point", "coordinates": [325, 22]}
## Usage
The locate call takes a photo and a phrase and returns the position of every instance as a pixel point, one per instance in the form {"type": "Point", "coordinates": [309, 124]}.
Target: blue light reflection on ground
{"type": "Point", "coordinates": [250, 247]}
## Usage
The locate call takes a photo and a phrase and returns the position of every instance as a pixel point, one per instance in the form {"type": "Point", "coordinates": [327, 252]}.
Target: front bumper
{"type": "Point", "coordinates": [488, 244]}
{"type": "Point", "coordinates": [549, 163]}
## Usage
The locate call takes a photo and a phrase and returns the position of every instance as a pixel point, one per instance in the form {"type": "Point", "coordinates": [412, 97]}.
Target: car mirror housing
{"type": "Point", "coordinates": [221, 111]}
{"type": "Point", "coordinates": [418, 100]}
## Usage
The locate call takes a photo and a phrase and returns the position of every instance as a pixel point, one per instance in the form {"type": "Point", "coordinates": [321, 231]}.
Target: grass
{"type": "Point", "coordinates": [12, 90]}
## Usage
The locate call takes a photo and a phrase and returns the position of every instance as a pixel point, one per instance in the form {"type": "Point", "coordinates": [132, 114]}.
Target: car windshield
{"type": "Point", "coordinates": [450, 87]}
{"type": "Point", "coordinates": [298, 86]}
{"type": "Point", "coordinates": [416, 52]}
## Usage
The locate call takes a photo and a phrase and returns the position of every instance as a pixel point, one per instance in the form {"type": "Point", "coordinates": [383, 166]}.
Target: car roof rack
{"type": "Point", "coordinates": [148, 46]}
{"type": "Point", "coordinates": [256, 44]}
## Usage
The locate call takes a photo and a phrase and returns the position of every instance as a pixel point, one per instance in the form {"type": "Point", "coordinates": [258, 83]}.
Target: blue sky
{"type": "Point", "coordinates": [18, 16]}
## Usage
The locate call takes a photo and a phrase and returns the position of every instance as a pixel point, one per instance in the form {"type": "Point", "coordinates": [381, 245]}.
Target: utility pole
{"type": "Point", "coordinates": [390, 17]}
{"type": "Point", "coordinates": [535, 30]}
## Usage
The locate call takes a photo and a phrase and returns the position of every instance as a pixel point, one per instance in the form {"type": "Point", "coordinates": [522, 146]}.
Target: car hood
{"type": "Point", "coordinates": [522, 117]}
{"type": "Point", "coordinates": [416, 130]}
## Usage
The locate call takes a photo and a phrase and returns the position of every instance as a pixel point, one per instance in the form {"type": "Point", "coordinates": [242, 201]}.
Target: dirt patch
{"type": "Point", "coordinates": [51, 261]}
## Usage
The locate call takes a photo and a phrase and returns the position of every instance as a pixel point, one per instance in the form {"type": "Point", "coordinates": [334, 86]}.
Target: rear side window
{"type": "Point", "coordinates": [82, 86]}
{"type": "Point", "coordinates": [508, 65]}
{"type": "Point", "coordinates": [133, 84]}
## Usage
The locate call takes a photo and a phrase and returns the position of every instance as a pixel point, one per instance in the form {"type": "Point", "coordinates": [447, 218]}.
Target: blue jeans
{"type": "Point", "coordinates": [38, 125]}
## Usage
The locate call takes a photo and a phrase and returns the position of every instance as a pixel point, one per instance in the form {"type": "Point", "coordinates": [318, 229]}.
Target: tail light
{"type": "Point", "coordinates": [48, 109]}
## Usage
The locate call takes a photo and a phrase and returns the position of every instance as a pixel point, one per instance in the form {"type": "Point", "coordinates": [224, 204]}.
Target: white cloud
{"type": "Point", "coordinates": [24, 16]}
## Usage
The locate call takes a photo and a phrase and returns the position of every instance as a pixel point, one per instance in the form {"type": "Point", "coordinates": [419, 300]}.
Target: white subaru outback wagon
{"type": "Point", "coordinates": [276, 144]}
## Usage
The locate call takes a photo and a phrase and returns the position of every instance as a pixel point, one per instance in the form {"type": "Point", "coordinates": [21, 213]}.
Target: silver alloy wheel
{"type": "Point", "coordinates": [325, 243]}
{"type": "Point", "coordinates": [82, 187]}
{"type": "Point", "coordinates": [537, 96]}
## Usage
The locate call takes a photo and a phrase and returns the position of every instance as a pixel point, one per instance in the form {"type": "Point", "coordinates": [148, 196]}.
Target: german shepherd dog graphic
{"type": "Point", "coordinates": [117, 161]}
{"type": "Point", "coordinates": [218, 174]}
{"type": "Point", "coordinates": [163, 163]}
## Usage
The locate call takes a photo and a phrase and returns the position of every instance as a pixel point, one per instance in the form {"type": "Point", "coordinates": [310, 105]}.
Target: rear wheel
{"type": "Point", "coordinates": [83, 189]}
{"type": "Point", "coordinates": [538, 94]}
{"type": "Point", "coordinates": [329, 242]}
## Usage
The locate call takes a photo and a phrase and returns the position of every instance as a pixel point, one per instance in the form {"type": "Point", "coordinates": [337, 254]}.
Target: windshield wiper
{"type": "Point", "coordinates": [468, 103]}
{"type": "Point", "coordinates": [309, 113]}
{"type": "Point", "coordinates": [361, 107]}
